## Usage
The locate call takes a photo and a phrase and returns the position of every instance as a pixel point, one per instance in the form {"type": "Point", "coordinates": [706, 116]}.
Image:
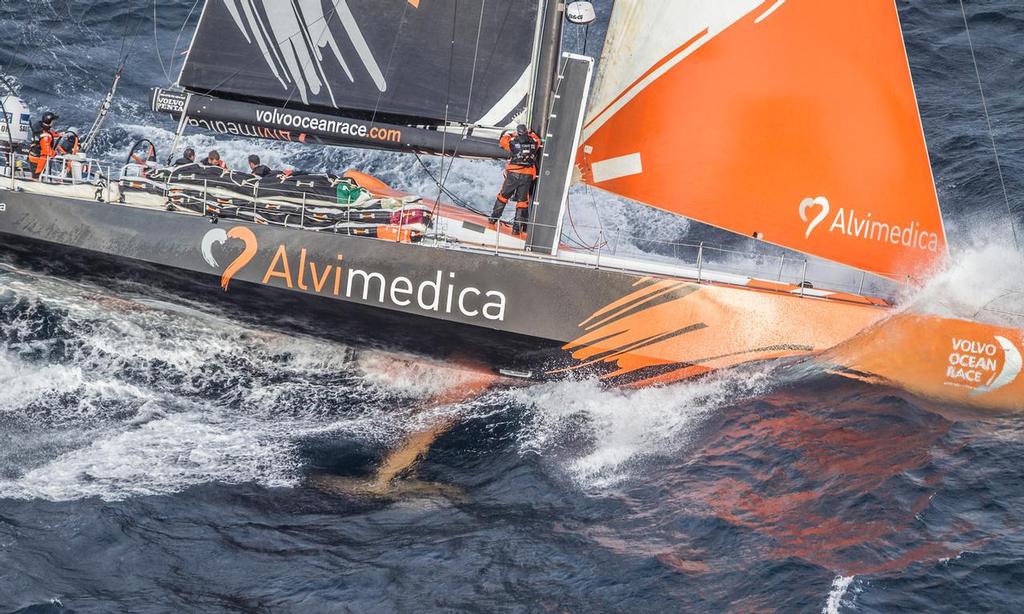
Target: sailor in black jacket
{"type": "Point", "coordinates": [187, 157]}
{"type": "Point", "coordinates": [260, 170]}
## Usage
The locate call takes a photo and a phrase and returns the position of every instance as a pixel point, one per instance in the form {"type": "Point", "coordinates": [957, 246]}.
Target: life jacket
{"type": "Point", "coordinates": [524, 151]}
{"type": "Point", "coordinates": [67, 144]}
{"type": "Point", "coordinates": [36, 147]}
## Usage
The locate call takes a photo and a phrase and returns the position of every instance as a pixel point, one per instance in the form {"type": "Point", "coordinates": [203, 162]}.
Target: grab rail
{"type": "Point", "coordinates": [609, 249]}
{"type": "Point", "coordinates": [73, 169]}
{"type": "Point", "coordinates": [699, 260]}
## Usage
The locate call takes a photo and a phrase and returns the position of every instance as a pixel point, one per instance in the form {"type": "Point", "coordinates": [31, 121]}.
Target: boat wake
{"type": "Point", "coordinates": [601, 437]}
{"type": "Point", "coordinates": [116, 392]}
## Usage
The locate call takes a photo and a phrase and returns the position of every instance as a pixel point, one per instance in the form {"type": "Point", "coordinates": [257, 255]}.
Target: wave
{"type": "Point", "coordinates": [983, 282]}
{"type": "Point", "coordinates": [835, 597]}
{"type": "Point", "coordinates": [600, 437]}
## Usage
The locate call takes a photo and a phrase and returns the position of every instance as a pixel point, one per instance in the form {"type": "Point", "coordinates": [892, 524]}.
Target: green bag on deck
{"type": "Point", "coordinates": [349, 193]}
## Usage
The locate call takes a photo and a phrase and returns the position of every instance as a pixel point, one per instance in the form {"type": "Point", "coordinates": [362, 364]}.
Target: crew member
{"type": "Point", "coordinates": [187, 157]}
{"type": "Point", "coordinates": [520, 171]}
{"type": "Point", "coordinates": [148, 164]}
{"type": "Point", "coordinates": [260, 170]}
{"type": "Point", "coordinates": [67, 144]}
{"type": "Point", "coordinates": [44, 140]}
{"type": "Point", "coordinates": [213, 159]}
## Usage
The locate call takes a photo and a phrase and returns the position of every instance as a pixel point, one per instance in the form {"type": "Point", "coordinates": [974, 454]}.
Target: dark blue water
{"type": "Point", "coordinates": [160, 454]}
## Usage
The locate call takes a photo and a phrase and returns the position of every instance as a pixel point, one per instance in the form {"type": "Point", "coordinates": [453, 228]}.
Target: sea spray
{"type": "Point", "coordinates": [983, 282]}
{"type": "Point", "coordinates": [601, 436]}
{"type": "Point", "coordinates": [153, 396]}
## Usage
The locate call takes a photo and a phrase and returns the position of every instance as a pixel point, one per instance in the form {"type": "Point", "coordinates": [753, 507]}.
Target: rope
{"type": "Point", "coordinates": [447, 104]}
{"type": "Point", "coordinates": [391, 59]}
{"type": "Point", "coordinates": [156, 43]}
{"type": "Point", "coordinates": [177, 39]}
{"type": "Point", "coordinates": [476, 54]}
{"type": "Point", "coordinates": [991, 132]}
{"type": "Point", "coordinates": [456, 199]}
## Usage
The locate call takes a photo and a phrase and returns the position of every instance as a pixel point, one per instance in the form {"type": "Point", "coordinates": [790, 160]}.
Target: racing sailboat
{"type": "Point", "coordinates": [780, 120]}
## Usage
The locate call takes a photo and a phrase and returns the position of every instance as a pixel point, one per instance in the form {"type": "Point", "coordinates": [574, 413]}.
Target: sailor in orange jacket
{"type": "Point", "coordinates": [520, 171]}
{"type": "Point", "coordinates": [44, 140]}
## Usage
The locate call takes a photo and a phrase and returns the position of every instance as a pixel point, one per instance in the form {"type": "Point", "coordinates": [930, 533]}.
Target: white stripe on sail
{"type": "Point", "coordinates": [504, 107]}
{"type": "Point", "coordinates": [616, 168]}
{"type": "Point", "coordinates": [292, 38]}
{"type": "Point", "coordinates": [356, 35]}
{"type": "Point", "coordinates": [636, 43]}
{"type": "Point", "coordinates": [765, 14]}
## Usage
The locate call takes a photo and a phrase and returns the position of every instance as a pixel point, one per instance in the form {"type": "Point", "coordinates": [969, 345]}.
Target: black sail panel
{"type": "Point", "coordinates": [384, 57]}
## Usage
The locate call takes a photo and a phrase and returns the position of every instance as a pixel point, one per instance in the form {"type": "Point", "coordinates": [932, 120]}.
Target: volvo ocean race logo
{"type": "Point", "coordinates": [297, 269]}
{"type": "Point", "coordinates": [814, 211]}
{"type": "Point", "coordinates": [983, 366]}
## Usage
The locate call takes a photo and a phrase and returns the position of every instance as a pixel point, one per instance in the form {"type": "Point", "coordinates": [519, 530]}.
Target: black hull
{"type": "Point", "coordinates": [346, 322]}
{"type": "Point", "coordinates": [535, 307]}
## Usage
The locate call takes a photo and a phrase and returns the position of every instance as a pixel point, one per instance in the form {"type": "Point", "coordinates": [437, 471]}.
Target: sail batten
{"type": "Point", "coordinates": [795, 121]}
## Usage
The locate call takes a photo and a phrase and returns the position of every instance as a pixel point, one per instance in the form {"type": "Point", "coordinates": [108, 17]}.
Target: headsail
{"type": "Point", "coordinates": [387, 58]}
{"type": "Point", "coordinates": [794, 119]}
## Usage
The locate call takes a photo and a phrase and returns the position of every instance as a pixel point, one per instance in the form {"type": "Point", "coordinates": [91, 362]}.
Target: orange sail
{"type": "Point", "coordinates": [792, 119]}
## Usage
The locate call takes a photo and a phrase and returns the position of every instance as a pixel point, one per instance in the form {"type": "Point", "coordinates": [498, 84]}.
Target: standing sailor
{"type": "Point", "coordinates": [67, 144]}
{"type": "Point", "coordinates": [44, 139]}
{"type": "Point", "coordinates": [67, 147]}
{"type": "Point", "coordinates": [520, 171]}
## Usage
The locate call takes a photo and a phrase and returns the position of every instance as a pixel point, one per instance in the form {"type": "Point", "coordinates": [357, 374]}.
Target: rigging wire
{"type": "Point", "coordinates": [156, 43]}
{"type": "Point", "coordinates": [476, 54]}
{"type": "Point", "coordinates": [991, 132]}
{"type": "Point", "coordinates": [177, 39]}
{"type": "Point", "coordinates": [104, 108]}
{"type": "Point", "coordinates": [456, 199]}
{"type": "Point", "coordinates": [391, 59]}
{"type": "Point", "coordinates": [447, 104]}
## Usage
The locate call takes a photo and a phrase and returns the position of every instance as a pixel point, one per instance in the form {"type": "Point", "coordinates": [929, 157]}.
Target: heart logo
{"type": "Point", "coordinates": [806, 204]}
{"type": "Point", "coordinates": [220, 237]}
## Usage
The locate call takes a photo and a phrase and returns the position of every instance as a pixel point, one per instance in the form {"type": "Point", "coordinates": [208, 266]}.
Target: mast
{"type": "Point", "coordinates": [546, 64]}
{"type": "Point", "coordinates": [559, 119]}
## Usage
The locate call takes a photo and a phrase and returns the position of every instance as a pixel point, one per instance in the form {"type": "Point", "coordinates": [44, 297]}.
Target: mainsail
{"type": "Point", "coordinates": [791, 120]}
{"type": "Point", "coordinates": [411, 61]}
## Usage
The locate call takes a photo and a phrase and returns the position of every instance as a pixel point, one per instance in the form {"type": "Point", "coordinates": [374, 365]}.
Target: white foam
{"type": "Point", "coordinates": [835, 596]}
{"type": "Point", "coordinates": [615, 430]}
{"type": "Point", "coordinates": [982, 282]}
{"type": "Point", "coordinates": [160, 457]}
{"type": "Point", "coordinates": [133, 408]}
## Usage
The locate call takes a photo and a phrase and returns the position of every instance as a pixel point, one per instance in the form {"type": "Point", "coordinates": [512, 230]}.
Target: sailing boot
{"type": "Point", "coordinates": [522, 219]}
{"type": "Point", "coordinates": [499, 208]}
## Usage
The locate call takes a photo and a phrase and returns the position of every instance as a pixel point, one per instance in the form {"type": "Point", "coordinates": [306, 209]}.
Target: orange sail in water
{"type": "Point", "coordinates": [792, 119]}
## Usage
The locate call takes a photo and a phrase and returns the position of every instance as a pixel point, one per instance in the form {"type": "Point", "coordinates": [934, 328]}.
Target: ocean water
{"type": "Point", "coordinates": [161, 454]}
